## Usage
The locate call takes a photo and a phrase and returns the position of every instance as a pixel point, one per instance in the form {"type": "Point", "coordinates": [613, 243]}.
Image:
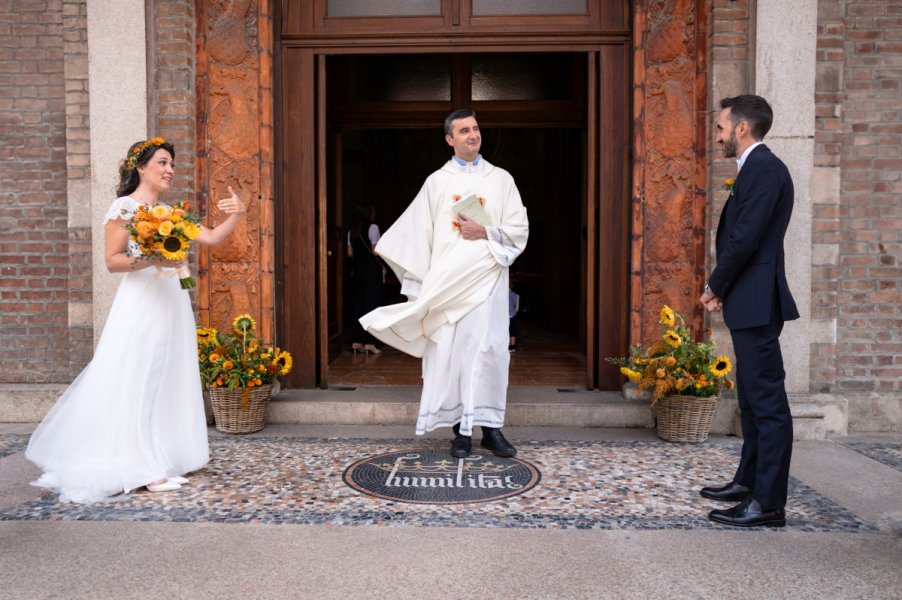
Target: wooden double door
{"type": "Point", "coordinates": [361, 125]}
{"type": "Point", "coordinates": [369, 146]}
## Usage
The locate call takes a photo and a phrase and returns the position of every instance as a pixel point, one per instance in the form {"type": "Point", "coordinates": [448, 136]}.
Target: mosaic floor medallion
{"type": "Point", "coordinates": [435, 477]}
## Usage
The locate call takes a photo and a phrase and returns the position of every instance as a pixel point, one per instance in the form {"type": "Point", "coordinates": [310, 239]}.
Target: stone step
{"type": "Point", "coordinates": [398, 405]}
{"type": "Point", "coordinates": [812, 417]}
{"type": "Point", "coordinates": [807, 421]}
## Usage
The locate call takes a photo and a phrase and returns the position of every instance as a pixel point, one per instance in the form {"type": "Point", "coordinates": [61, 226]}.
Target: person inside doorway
{"type": "Point", "coordinates": [454, 272]}
{"type": "Point", "coordinates": [367, 275]}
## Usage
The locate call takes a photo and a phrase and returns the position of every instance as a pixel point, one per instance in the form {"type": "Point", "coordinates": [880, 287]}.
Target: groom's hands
{"type": "Point", "coordinates": [710, 301]}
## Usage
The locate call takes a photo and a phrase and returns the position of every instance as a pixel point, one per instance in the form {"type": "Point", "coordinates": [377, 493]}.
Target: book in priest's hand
{"type": "Point", "coordinates": [471, 208]}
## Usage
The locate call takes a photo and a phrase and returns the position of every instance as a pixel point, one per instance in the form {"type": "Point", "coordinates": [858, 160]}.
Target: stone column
{"type": "Point", "coordinates": [784, 73]}
{"type": "Point", "coordinates": [117, 82]}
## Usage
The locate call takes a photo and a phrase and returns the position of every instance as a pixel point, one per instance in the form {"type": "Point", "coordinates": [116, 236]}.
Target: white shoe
{"type": "Point", "coordinates": [177, 479]}
{"type": "Point", "coordinates": [166, 486]}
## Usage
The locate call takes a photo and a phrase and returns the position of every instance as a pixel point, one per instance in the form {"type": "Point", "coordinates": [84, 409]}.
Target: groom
{"type": "Point", "coordinates": [749, 285]}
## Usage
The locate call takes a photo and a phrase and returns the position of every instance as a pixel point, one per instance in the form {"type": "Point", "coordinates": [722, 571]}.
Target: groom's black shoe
{"type": "Point", "coordinates": [460, 447]}
{"type": "Point", "coordinates": [732, 492]}
{"type": "Point", "coordinates": [749, 514]}
{"type": "Point", "coordinates": [493, 439]}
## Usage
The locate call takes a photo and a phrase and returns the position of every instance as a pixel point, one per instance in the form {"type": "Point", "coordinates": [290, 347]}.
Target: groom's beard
{"type": "Point", "coordinates": [730, 146]}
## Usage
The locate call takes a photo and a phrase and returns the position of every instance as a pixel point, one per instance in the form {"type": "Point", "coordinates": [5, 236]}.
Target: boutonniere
{"type": "Point", "coordinates": [729, 184]}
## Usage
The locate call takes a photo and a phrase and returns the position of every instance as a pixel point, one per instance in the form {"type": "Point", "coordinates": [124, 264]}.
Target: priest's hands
{"type": "Point", "coordinates": [471, 230]}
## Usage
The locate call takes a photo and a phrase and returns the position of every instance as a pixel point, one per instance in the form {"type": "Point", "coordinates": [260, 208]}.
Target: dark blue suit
{"type": "Point", "coordinates": [750, 279]}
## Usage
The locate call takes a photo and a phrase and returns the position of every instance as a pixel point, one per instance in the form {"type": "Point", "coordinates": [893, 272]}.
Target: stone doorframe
{"type": "Point", "coordinates": [235, 145]}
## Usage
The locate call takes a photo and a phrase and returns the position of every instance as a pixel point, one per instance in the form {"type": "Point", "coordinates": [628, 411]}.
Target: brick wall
{"type": "Point", "coordinates": [825, 192]}
{"type": "Point", "coordinates": [34, 244]}
{"type": "Point", "coordinates": [171, 84]}
{"type": "Point", "coordinates": [45, 249]}
{"type": "Point", "coordinates": [78, 194]}
{"type": "Point", "coordinates": [868, 272]}
{"type": "Point", "coordinates": [856, 275]}
{"type": "Point", "coordinates": [856, 319]}
{"type": "Point", "coordinates": [730, 76]}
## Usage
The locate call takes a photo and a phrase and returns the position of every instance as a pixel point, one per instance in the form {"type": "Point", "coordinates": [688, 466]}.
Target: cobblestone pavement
{"type": "Point", "coordinates": [626, 485]}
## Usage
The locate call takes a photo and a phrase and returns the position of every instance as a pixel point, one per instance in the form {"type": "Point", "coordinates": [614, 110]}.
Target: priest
{"type": "Point", "coordinates": [453, 269]}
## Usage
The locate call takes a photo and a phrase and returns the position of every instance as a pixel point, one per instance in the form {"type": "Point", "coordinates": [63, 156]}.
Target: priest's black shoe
{"type": "Point", "coordinates": [460, 447]}
{"type": "Point", "coordinates": [493, 439]}
{"type": "Point", "coordinates": [732, 492]}
{"type": "Point", "coordinates": [749, 514]}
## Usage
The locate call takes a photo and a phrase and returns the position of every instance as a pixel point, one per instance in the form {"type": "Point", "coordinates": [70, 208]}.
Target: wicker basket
{"type": "Point", "coordinates": [233, 416]}
{"type": "Point", "coordinates": [685, 418]}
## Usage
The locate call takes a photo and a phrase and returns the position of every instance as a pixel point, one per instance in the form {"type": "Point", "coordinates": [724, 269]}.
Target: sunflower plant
{"type": "Point", "coordinates": [163, 231]}
{"type": "Point", "coordinates": [238, 359]}
{"type": "Point", "coordinates": [676, 364]}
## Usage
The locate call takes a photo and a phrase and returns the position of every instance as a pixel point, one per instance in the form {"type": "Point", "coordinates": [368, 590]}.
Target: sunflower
{"type": "Point", "coordinates": [667, 316]}
{"type": "Point", "coordinates": [634, 376]}
{"type": "Point", "coordinates": [284, 362]}
{"type": "Point", "coordinates": [206, 335]}
{"type": "Point", "coordinates": [721, 366]}
{"type": "Point", "coordinates": [174, 248]}
{"type": "Point", "coordinates": [244, 324]}
{"type": "Point", "coordinates": [672, 338]}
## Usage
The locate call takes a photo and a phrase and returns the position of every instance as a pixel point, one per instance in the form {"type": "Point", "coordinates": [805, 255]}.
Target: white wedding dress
{"type": "Point", "coordinates": [135, 414]}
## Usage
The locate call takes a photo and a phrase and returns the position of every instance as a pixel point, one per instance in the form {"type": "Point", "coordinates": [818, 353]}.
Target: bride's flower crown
{"type": "Point", "coordinates": [138, 150]}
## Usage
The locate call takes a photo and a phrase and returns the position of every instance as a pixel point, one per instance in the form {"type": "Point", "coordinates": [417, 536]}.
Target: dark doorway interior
{"type": "Point", "coordinates": [383, 165]}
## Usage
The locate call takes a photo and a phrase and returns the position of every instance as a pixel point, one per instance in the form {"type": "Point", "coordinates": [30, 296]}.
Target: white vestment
{"type": "Point", "coordinates": [456, 315]}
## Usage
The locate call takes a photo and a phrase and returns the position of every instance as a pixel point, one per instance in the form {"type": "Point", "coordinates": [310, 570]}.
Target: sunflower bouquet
{"type": "Point", "coordinates": [676, 364]}
{"type": "Point", "coordinates": [238, 359]}
{"type": "Point", "coordinates": [166, 232]}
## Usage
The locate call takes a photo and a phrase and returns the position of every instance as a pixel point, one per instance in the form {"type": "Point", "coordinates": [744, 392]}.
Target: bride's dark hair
{"type": "Point", "coordinates": [138, 155]}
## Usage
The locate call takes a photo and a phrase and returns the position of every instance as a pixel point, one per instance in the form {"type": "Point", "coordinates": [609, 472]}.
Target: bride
{"type": "Point", "coordinates": [134, 416]}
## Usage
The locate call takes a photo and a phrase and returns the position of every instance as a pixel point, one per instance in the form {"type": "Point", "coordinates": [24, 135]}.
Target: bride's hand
{"type": "Point", "coordinates": [231, 205]}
